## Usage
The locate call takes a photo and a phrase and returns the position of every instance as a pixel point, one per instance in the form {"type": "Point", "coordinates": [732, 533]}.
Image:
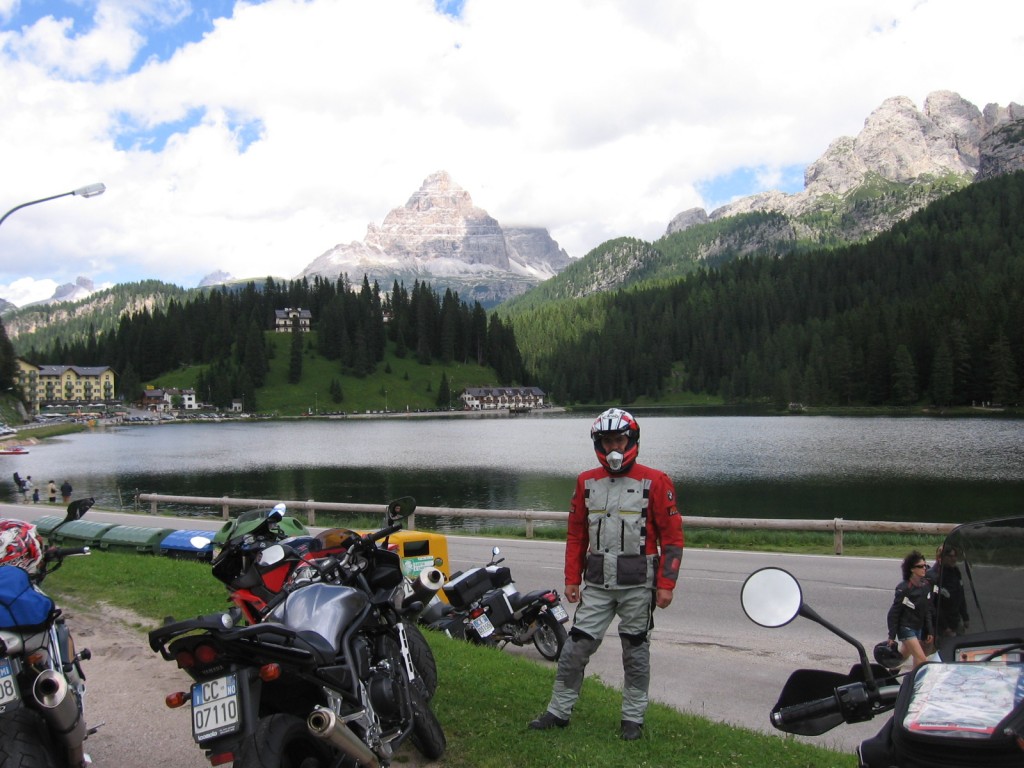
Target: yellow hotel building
{"type": "Point", "coordinates": [44, 385]}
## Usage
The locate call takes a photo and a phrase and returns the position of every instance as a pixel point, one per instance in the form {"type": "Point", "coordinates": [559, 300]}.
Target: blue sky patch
{"type": "Point", "coordinates": [153, 138]}
{"type": "Point", "coordinates": [451, 8]}
{"type": "Point", "coordinates": [748, 181]}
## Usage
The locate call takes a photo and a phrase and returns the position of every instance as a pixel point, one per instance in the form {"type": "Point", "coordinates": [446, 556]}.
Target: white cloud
{"type": "Point", "coordinates": [297, 124]}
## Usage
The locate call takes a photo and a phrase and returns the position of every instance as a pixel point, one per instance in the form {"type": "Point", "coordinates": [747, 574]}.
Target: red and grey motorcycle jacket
{"type": "Point", "coordinates": [618, 523]}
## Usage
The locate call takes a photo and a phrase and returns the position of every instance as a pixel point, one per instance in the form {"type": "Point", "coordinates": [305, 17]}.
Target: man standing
{"type": "Point", "coordinates": [625, 542]}
{"type": "Point", "coordinates": [65, 491]}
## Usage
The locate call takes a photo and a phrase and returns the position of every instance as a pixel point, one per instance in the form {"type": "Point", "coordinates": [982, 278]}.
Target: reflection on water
{"type": "Point", "coordinates": [910, 469]}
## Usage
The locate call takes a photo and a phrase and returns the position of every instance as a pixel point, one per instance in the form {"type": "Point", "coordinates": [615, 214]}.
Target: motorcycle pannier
{"type": "Point", "coordinates": [952, 715]}
{"type": "Point", "coordinates": [467, 587]}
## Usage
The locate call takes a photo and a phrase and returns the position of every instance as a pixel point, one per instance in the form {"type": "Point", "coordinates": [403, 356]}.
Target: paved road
{"type": "Point", "coordinates": [708, 658]}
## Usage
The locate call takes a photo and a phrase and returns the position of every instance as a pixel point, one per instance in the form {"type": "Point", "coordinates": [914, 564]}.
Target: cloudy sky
{"type": "Point", "coordinates": [251, 137]}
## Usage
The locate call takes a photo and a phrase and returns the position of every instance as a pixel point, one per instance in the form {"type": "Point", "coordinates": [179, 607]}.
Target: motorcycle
{"type": "Point", "coordinates": [964, 709]}
{"type": "Point", "coordinates": [42, 685]}
{"type": "Point", "coordinates": [255, 587]}
{"type": "Point", "coordinates": [324, 678]}
{"type": "Point", "coordinates": [485, 607]}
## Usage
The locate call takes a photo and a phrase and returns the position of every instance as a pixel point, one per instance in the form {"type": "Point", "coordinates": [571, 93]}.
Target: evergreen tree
{"type": "Point", "coordinates": [904, 377]}
{"type": "Point", "coordinates": [942, 376]}
{"type": "Point", "coordinates": [444, 394]}
{"type": "Point", "coordinates": [295, 361]}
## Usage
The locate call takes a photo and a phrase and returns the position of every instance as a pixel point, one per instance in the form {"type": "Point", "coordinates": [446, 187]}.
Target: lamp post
{"type": "Point", "coordinates": [91, 190]}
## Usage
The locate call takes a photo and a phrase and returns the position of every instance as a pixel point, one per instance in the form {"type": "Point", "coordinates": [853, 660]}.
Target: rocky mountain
{"type": "Point", "coordinates": [441, 237]}
{"type": "Point", "coordinates": [923, 153]}
{"type": "Point", "coordinates": [902, 160]}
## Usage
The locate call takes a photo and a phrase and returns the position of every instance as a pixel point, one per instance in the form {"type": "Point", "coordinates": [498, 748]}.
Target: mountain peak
{"type": "Point", "coordinates": [441, 236]}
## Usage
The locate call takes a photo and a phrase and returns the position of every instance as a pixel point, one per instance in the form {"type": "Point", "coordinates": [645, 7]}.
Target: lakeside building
{"type": "Point", "coordinates": [493, 398]}
{"type": "Point", "coordinates": [44, 385]}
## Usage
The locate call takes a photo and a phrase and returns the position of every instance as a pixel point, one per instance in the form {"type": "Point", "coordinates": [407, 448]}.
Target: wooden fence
{"type": "Point", "coordinates": [837, 526]}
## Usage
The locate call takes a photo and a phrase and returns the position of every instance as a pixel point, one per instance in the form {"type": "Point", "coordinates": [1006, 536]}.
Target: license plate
{"type": "Point", "coordinates": [216, 709]}
{"type": "Point", "coordinates": [559, 612]}
{"type": "Point", "coordinates": [482, 625]}
{"type": "Point", "coordinates": [10, 697]}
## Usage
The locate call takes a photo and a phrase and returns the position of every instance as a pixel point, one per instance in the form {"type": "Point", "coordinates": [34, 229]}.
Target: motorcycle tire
{"type": "Point", "coordinates": [422, 659]}
{"type": "Point", "coordinates": [550, 637]}
{"type": "Point", "coordinates": [284, 741]}
{"type": "Point", "coordinates": [427, 734]}
{"type": "Point", "coordinates": [24, 741]}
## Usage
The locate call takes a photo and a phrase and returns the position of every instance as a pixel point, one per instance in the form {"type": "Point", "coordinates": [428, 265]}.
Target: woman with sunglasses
{"type": "Point", "coordinates": [910, 616]}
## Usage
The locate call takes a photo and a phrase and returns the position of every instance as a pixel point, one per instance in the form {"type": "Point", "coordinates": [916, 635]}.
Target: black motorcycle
{"type": "Point", "coordinates": [965, 710]}
{"type": "Point", "coordinates": [42, 686]}
{"type": "Point", "coordinates": [326, 676]}
{"type": "Point", "coordinates": [485, 607]}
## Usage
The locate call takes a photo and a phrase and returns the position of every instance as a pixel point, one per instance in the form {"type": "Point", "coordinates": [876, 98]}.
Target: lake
{"type": "Point", "coordinates": [866, 468]}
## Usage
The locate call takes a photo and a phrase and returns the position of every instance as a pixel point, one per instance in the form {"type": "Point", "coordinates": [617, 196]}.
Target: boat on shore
{"type": "Point", "coordinates": [15, 450]}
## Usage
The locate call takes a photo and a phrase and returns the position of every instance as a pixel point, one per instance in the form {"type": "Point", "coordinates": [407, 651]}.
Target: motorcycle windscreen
{"type": "Point", "coordinates": [807, 685]}
{"type": "Point", "coordinates": [992, 564]}
{"type": "Point", "coordinates": [326, 609]}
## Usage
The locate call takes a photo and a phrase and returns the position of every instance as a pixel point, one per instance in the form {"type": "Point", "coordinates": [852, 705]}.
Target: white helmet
{"type": "Point", "coordinates": [616, 421]}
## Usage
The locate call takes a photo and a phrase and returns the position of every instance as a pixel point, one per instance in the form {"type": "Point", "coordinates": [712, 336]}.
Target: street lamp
{"type": "Point", "coordinates": [90, 190]}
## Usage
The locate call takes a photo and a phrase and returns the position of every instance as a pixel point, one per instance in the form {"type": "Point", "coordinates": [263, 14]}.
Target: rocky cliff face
{"type": "Point", "coordinates": [439, 236]}
{"type": "Point", "coordinates": [947, 143]}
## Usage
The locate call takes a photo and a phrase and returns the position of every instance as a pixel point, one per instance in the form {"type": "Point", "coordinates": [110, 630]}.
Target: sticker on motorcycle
{"type": "Point", "coordinates": [215, 708]}
{"type": "Point", "coordinates": [10, 696]}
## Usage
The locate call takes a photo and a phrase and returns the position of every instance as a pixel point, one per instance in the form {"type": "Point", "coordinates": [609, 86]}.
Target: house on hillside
{"type": "Point", "coordinates": [285, 319]}
{"type": "Point", "coordinates": [170, 399]}
{"type": "Point", "coordinates": [493, 398]}
{"type": "Point", "coordinates": [45, 385]}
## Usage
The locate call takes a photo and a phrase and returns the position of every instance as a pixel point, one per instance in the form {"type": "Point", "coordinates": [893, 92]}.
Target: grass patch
{"type": "Point", "coordinates": [486, 697]}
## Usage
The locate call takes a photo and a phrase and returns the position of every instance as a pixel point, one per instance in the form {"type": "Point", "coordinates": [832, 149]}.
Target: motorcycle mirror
{"type": "Point", "coordinates": [277, 513]}
{"type": "Point", "coordinates": [495, 551]}
{"type": "Point", "coordinates": [771, 597]}
{"type": "Point", "coordinates": [271, 555]}
{"type": "Point", "coordinates": [200, 542]}
{"type": "Point", "coordinates": [400, 509]}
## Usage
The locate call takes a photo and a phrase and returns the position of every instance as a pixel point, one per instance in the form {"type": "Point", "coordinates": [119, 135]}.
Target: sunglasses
{"type": "Point", "coordinates": [920, 565]}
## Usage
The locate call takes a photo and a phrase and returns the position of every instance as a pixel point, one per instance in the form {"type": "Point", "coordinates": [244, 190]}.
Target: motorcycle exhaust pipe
{"type": "Point", "coordinates": [59, 707]}
{"type": "Point", "coordinates": [428, 582]}
{"type": "Point", "coordinates": [324, 724]}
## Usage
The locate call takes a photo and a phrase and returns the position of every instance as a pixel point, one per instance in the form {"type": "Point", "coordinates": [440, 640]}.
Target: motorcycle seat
{"type": "Point", "coordinates": [518, 600]}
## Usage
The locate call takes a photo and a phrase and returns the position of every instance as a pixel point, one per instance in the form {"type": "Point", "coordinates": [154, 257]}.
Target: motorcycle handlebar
{"type": "Point", "coordinates": [59, 553]}
{"type": "Point", "coordinates": [796, 713]}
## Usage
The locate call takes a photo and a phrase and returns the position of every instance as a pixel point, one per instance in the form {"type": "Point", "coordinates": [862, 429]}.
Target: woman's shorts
{"type": "Point", "coordinates": [905, 633]}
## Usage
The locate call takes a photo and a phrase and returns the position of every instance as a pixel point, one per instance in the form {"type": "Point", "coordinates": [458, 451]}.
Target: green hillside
{"type": "Point", "coordinates": [400, 384]}
{"type": "Point", "coordinates": [930, 312]}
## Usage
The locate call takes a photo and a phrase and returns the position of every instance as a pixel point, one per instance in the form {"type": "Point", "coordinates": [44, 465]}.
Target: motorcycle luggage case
{"type": "Point", "coordinates": [498, 609]}
{"type": "Point", "coordinates": [467, 587]}
{"type": "Point", "coordinates": [949, 715]}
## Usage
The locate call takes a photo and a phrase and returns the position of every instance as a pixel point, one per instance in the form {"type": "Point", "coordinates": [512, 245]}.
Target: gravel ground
{"type": "Point", "coordinates": [125, 688]}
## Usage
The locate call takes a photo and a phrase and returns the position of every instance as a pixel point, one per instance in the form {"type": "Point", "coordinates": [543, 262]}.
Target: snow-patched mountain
{"type": "Point", "coordinates": [82, 288]}
{"type": "Point", "coordinates": [441, 237]}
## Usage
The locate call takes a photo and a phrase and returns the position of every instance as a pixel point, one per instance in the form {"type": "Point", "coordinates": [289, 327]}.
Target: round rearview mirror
{"type": "Point", "coordinates": [771, 597]}
{"type": "Point", "coordinates": [495, 551]}
{"type": "Point", "coordinates": [278, 512]}
{"type": "Point", "coordinates": [271, 555]}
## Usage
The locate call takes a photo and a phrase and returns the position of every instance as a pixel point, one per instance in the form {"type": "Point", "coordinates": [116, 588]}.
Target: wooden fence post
{"type": "Point", "coordinates": [225, 509]}
{"type": "Point", "coordinates": [837, 536]}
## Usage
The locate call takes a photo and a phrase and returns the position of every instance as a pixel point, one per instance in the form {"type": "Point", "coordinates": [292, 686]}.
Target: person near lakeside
{"type": "Point", "coordinates": [65, 491]}
{"type": "Point", "coordinates": [910, 617]}
{"type": "Point", "coordinates": [948, 598]}
{"type": "Point", "coordinates": [51, 491]}
{"type": "Point", "coordinates": [26, 487]}
{"type": "Point", "coordinates": [625, 543]}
